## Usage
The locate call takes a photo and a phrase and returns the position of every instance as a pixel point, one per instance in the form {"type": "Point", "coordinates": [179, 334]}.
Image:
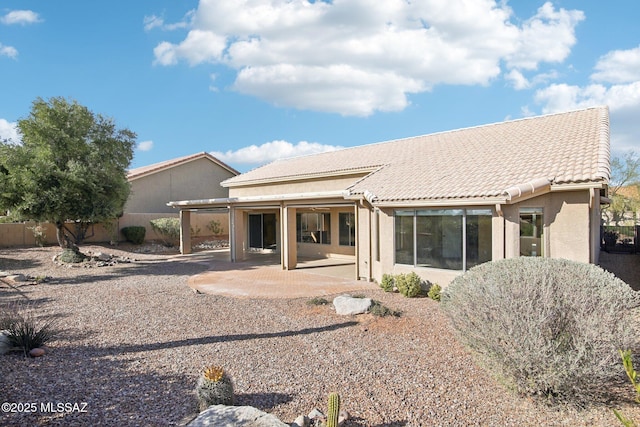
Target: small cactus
{"type": "Point", "coordinates": [214, 387]}
{"type": "Point", "coordinates": [333, 410]}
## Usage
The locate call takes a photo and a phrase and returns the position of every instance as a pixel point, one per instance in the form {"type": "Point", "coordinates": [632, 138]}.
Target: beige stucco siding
{"type": "Point", "coordinates": [198, 179]}
{"type": "Point", "coordinates": [337, 183]}
{"type": "Point", "coordinates": [567, 219]}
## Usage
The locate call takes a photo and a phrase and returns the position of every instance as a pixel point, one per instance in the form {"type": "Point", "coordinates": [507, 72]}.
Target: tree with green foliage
{"type": "Point", "coordinates": [71, 165]}
{"type": "Point", "coordinates": [625, 174]}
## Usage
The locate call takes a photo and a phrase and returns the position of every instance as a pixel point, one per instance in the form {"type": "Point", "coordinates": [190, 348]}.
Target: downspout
{"type": "Point", "coordinates": [504, 230]}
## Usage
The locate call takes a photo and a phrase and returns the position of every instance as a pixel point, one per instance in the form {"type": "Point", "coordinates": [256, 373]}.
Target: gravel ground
{"type": "Point", "coordinates": [134, 338]}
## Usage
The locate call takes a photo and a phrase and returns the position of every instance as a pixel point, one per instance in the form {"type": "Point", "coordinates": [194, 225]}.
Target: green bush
{"type": "Point", "coordinates": [317, 301]}
{"type": "Point", "coordinates": [168, 229]}
{"type": "Point", "coordinates": [547, 327]}
{"type": "Point", "coordinates": [380, 310]}
{"type": "Point", "coordinates": [435, 292]}
{"type": "Point", "coordinates": [409, 285]}
{"type": "Point", "coordinates": [214, 227]}
{"type": "Point", "coordinates": [134, 234]}
{"type": "Point", "coordinates": [387, 282]}
{"type": "Point", "coordinates": [71, 256]}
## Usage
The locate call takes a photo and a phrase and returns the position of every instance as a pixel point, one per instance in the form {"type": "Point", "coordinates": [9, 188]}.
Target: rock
{"type": "Point", "coordinates": [342, 417]}
{"type": "Point", "coordinates": [301, 421]}
{"type": "Point", "coordinates": [36, 352]}
{"type": "Point", "coordinates": [5, 344]}
{"type": "Point", "coordinates": [347, 305]}
{"type": "Point", "coordinates": [316, 414]}
{"type": "Point", "coordinates": [17, 278]}
{"type": "Point", "coordinates": [102, 256]}
{"type": "Point", "coordinates": [3, 274]}
{"type": "Point", "coordinates": [235, 416]}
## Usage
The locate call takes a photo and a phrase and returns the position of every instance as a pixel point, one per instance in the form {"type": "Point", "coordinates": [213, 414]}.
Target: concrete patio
{"type": "Point", "coordinates": [262, 277]}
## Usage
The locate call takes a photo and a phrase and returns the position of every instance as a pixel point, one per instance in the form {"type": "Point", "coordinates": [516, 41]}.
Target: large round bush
{"type": "Point", "coordinates": [547, 327]}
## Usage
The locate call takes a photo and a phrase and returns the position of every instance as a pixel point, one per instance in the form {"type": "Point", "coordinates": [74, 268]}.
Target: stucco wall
{"type": "Point", "coordinates": [567, 220]}
{"type": "Point", "coordinates": [198, 179]}
{"type": "Point", "coordinates": [337, 183]}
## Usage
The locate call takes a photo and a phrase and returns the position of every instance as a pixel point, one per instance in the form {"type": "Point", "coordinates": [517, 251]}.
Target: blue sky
{"type": "Point", "coordinates": [255, 80]}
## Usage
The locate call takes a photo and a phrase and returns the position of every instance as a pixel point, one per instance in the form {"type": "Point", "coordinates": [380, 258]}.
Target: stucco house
{"type": "Point", "coordinates": [196, 176]}
{"type": "Point", "coordinates": [435, 204]}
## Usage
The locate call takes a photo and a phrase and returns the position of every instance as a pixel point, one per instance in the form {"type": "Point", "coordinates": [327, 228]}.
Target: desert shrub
{"type": "Point", "coordinates": [24, 330]}
{"type": "Point", "coordinates": [168, 229]}
{"type": "Point", "coordinates": [39, 234]}
{"type": "Point", "coordinates": [409, 285]}
{"type": "Point", "coordinates": [435, 292]}
{"type": "Point", "coordinates": [134, 234]}
{"type": "Point", "coordinates": [627, 363]}
{"type": "Point", "coordinates": [380, 310]}
{"type": "Point", "coordinates": [195, 231]}
{"type": "Point", "coordinates": [317, 301]}
{"type": "Point", "coordinates": [214, 227]}
{"type": "Point", "coordinates": [546, 327]}
{"type": "Point", "coordinates": [71, 256]}
{"type": "Point", "coordinates": [387, 282]}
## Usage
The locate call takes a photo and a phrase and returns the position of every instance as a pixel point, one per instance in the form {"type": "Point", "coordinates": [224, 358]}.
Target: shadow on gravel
{"type": "Point", "coordinates": [222, 338]}
{"type": "Point", "coordinates": [142, 268]}
{"type": "Point", "coordinates": [262, 401]}
{"type": "Point", "coordinates": [12, 264]}
{"type": "Point", "coordinates": [142, 398]}
{"type": "Point", "coordinates": [359, 422]}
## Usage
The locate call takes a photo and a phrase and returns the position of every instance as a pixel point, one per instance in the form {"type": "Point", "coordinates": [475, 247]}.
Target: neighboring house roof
{"type": "Point", "coordinates": [158, 167]}
{"type": "Point", "coordinates": [504, 159]}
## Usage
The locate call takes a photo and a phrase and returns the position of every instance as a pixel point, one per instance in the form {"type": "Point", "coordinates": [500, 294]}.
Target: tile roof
{"type": "Point", "coordinates": [471, 163]}
{"type": "Point", "coordinates": [157, 167]}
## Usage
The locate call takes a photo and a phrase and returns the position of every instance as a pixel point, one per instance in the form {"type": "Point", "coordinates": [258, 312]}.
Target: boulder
{"type": "Point", "coordinates": [301, 421]}
{"type": "Point", "coordinates": [37, 352]}
{"type": "Point", "coordinates": [347, 305]}
{"type": "Point", "coordinates": [100, 256]}
{"type": "Point", "coordinates": [235, 416]}
{"type": "Point", "coordinates": [17, 278]}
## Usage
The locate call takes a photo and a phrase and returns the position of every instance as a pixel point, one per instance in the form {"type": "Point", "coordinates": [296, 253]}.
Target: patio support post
{"type": "Point", "coordinates": [232, 233]}
{"type": "Point", "coordinates": [289, 244]}
{"type": "Point", "coordinates": [185, 232]}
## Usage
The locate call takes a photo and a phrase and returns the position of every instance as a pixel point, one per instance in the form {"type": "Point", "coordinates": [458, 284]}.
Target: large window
{"type": "Point", "coordinates": [313, 227]}
{"type": "Point", "coordinates": [531, 232]}
{"type": "Point", "coordinates": [347, 228]}
{"type": "Point", "coordinates": [453, 239]}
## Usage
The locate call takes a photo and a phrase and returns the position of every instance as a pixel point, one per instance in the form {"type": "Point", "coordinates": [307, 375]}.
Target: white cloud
{"type": "Point", "coordinates": [270, 151]}
{"type": "Point", "coordinates": [618, 86]}
{"type": "Point", "coordinates": [517, 80]}
{"type": "Point", "coordinates": [9, 130]}
{"type": "Point", "coordinates": [145, 145]}
{"type": "Point", "coordinates": [547, 37]}
{"type": "Point", "coordinates": [199, 46]}
{"type": "Point", "coordinates": [153, 21]}
{"type": "Point", "coordinates": [9, 51]}
{"type": "Point", "coordinates": [358, 57]}
{"type": "Point", "coordinates": [618, 66]}
{"type": "Point", "coordinates": [22, 17]}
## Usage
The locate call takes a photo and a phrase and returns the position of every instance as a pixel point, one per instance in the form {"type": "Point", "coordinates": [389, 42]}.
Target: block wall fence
{"type": "Point", "coordinates": [21, 234]}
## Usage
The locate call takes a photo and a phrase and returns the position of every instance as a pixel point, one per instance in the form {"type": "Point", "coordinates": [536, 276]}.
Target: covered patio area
{"type": "Point", "coordinates": [261, 276]}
